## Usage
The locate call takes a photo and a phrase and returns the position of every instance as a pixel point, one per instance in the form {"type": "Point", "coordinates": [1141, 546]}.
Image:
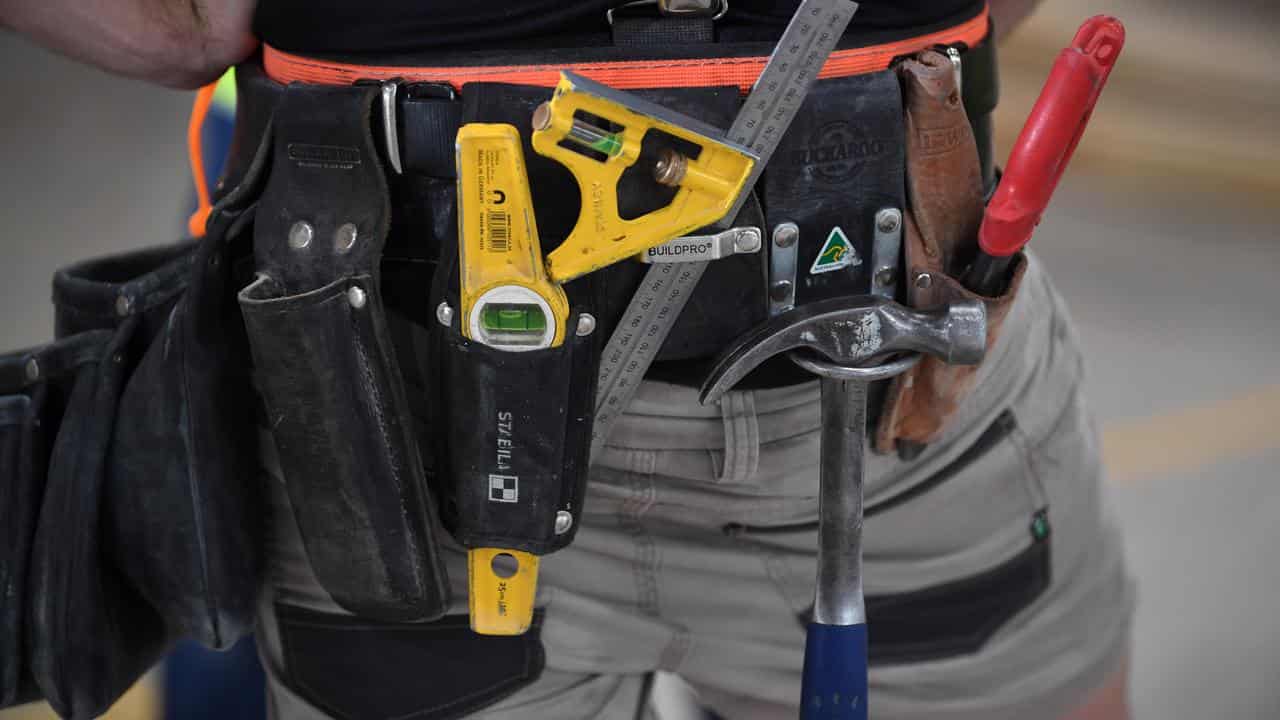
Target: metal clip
{"type": "Point", "coordinates": [390, 133]}
{"type": "Point", "coordinates": [695, 248]}
{"type": "Point", "coordinates": [782, 267]}
{"type": "Point", "coordinates": [715, 9]}
{"type": "Point", "coordinates": [954, 54]}
{"type": "Point", "coordinates": [886, 247]}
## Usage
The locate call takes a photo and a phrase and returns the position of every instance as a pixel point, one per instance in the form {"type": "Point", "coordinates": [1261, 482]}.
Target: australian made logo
{"type": "Point", "coordinates": [837, 253]}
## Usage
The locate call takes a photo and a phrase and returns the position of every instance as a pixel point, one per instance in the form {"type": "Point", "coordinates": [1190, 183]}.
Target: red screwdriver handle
{"type": "Point", "coordinates": [1050, 136]}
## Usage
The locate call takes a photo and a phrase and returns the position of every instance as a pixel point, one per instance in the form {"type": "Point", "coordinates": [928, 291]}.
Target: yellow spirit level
{"type": "Point", "coordinates": [508, 303]}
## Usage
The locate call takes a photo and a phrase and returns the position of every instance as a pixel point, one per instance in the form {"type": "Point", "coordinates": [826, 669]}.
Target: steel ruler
{"type": "Point", "coordinates": [773, 102]}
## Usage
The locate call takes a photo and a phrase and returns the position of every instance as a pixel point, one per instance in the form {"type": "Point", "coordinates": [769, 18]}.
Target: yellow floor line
{"type": "Point", "coordinates": [142, 702]}
{"type": "Point", "coordinates": [1193, 437]}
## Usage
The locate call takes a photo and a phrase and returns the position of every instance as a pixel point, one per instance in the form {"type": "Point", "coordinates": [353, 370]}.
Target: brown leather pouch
{"type": "Point", "coordinates": [944, 186]}
{"type": "Point", "coordinates": [920, 402]}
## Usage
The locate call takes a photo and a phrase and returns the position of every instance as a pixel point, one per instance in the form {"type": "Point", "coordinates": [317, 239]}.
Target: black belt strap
{"type": "Point", "coordinates": [430, 113]}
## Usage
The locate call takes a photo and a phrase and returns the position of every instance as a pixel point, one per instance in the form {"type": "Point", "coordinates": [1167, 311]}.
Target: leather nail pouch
{"type": "Point", "coordinates": [89, 634]}
{"type": "Point", "coordinates": [944, 184]}
{"type": "Point", "coordinates": [325, 366]}
{"type": "Point", "coordinates": [182, 504]}
{"type": "Point", "coordinates": [921, 401]}
{"type": "Point", "coordinates": [35, 385]}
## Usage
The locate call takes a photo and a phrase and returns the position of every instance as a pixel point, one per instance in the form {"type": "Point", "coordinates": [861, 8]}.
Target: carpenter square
{"type": "Point", "coordinates": [812, 34]}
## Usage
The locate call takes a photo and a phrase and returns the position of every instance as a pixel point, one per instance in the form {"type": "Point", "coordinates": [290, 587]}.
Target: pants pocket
{"type": "Point", "coordinates": [336, 409]}
{"type": "Point", "coordinates": [948, 560]}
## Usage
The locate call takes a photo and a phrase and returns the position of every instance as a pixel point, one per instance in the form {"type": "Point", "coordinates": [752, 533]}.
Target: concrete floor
{"type": "Point", "coordinates": [1171, 282]}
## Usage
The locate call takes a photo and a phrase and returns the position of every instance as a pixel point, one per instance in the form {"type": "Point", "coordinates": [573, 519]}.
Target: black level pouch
{"type": "Point", "coordinates": [518, 434]}
{"type": "Point", "coordinates": [515, 427]}
{"type": "Point", "coordinates": [325, 365]}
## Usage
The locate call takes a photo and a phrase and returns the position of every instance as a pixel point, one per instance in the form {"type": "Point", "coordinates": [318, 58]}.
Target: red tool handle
{"type": "Point", "coordinates": [1050, 136]}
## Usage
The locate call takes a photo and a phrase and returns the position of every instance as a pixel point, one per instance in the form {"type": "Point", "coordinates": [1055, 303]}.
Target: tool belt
{"type": "Point", "coordinates": [313, 304]}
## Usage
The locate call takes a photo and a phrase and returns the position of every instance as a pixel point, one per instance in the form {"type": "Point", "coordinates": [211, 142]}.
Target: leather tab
{"type": "Point", "coordinates": [326, 173]}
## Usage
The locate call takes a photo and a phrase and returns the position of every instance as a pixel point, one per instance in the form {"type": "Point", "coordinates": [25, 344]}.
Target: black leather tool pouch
{"type": "Point", "coordinates": [182, 505]}
{"type": "Point", "coordinates": [89, 635]}
{"type": "Point", "coordinates": [839, 164]}
{"type": "Point", "coordinates": [325, 365]}
{"type": "Point", "coordinates": [35, 387]}
{"type": "Point", "coordinates": [519, 435]}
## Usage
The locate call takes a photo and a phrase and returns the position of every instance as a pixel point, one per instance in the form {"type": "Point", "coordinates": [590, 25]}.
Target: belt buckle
{"type": "Point", "coordinates": [714, 9]}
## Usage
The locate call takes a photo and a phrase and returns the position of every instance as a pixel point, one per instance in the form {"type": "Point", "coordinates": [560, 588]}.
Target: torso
{"type": "Point", "coordinates": [399, 26]}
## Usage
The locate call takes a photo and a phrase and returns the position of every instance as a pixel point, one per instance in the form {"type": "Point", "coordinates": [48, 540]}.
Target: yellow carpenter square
{"type": "Point", "coordinates": [708, 182]}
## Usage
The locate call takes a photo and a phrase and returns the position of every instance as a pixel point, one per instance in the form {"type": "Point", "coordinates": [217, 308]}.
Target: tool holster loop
{"type": "Point", "coordinates": [325, 365]}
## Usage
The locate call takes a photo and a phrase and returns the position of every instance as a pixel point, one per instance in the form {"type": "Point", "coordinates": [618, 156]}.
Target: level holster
{"type": "Point", "coordinates": [514, 428]}
{"type": "Point", "coordinates": [324, 364]}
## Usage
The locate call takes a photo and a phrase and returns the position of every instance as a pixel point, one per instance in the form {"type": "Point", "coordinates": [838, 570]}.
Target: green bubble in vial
{"type": "Point", "coordinates": [609, 145]}
{"type": "Point", "coordinates": [508, 318]}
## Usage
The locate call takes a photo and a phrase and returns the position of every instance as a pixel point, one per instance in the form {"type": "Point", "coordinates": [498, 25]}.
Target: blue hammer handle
{"type": "Point", "coordinates": [835, 673]}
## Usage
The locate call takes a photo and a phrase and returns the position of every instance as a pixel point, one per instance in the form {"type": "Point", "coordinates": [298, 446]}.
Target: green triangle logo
{"type": "Point", "coordinates": [837, 252]}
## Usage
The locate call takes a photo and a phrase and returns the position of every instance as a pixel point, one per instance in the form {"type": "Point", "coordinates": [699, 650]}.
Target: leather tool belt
{"type": "Point", "coordinates": [128, 456]}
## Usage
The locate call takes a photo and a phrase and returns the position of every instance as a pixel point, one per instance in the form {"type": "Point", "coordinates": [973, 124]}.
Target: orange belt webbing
{"type": "Point", "coordinates": [286, 67]}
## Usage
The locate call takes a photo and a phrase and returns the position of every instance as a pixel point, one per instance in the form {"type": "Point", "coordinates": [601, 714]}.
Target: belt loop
{"type": "Point", "coordinates": [741, 437]}
{"type": "Point", "coordinates": [675, 22]}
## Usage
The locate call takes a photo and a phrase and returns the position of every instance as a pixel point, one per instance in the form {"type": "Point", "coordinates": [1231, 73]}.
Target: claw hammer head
{"type": "Point", "coordinates": [854, 331]}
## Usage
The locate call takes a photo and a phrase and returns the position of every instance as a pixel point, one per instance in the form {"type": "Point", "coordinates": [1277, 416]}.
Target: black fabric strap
{"type": "Point", "coordinates": [670, 31]}
{"type": "Point", "coordinates": [430, 115]}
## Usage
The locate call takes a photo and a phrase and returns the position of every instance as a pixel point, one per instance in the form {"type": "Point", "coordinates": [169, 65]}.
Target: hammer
{"type": "Point", "coordinates": [839, 340]}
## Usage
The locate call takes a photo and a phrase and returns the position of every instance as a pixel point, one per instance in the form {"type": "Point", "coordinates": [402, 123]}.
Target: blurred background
{"type": "Point", "coordinates": [1163, 237]}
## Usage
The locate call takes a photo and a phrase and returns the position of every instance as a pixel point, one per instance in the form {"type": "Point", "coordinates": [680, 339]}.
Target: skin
{"type": "Point", "coordinates": [187, 43]}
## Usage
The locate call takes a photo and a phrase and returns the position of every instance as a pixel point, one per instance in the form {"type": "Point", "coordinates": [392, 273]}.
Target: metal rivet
{"type": "Point", "coordinates": [300, 234]}
{"type": "Point", "coordinates": [670, 168]}
{"type": "Point", "coordinates": [123, 305]}
{"type": "Point", "coordinates": [542, 116]}
{"type": "Point", "coordinates": [586, 324]}
{"type": "Point", "coordinates": [564, 521]}
{"type": "Point", "coordinates": [746, 241]}
{"type": "Point", "coordinates": [888, 220]}
{"type": "Point", "coordinates": [356, 297]}
{"type": "Point", "coordinates": [884, 278]}
{"type": "Point", "coordinates": [786, 234]}
{"type": "Point", "coordinates": [33, 370]}
{"type": "Point", "coordinates": [344, 238]}
{"type": "Point", "coordinates": [444, 314]}
{"type": "Point", "coordinates": [924, 280]}
{"type": "Point", "coordinates": [117, 358]}
{"type": "Point", "coordinates": [780, 291]}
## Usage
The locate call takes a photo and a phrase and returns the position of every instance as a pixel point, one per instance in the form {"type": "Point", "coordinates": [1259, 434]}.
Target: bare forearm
{"type": "Point", "coordinates": [1007, 14]}
{"type": "Point", "coordinates": [180, 43]}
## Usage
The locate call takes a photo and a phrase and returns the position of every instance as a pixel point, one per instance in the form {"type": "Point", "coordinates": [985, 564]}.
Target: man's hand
{"type": "Point", "coordinates": [179, 43]}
